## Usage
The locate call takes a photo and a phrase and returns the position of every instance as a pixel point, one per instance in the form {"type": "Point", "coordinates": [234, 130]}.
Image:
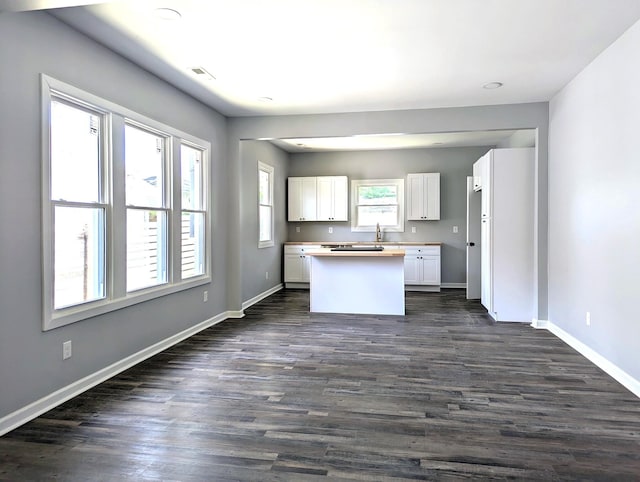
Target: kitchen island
{"type": "Point", "coordinates": [361, 281]}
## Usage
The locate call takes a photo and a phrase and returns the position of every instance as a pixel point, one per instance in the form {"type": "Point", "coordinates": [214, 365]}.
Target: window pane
{"type": "Point", "coordinates": [264, 193]}
{"type": "Point", "coordinates": [370, 215]}
{"type": "Point", "coordinates": [191, 160]}
{"type": "Point", "coordinates": [265, 223]}
{"type": "Point", "coordinates": [146, 248]}
{"type": "Point", "coordinates": [79, 247]}
{"type": "Point", "coordinates": [192, 244]}
{"type": "Point", "coordinates": [144, 155]}
{"type": "Point", "coordinates": [378, 195]}
{"type": "Point", "coordinates": [75, 154]}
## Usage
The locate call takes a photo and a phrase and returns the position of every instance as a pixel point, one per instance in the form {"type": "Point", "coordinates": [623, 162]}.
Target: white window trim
{"type": "Point", "coordinates": [271, 171]}
{"type": "Point", "coordinates": [356, 183]}
{"type": "Point", "coordinates": [116, 296]}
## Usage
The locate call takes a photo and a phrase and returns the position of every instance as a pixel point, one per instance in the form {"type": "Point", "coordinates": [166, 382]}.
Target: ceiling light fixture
{"type": "Point", "coordinates": [168, 14]}
{"type": "Point", "coordinates": [265, 99]}
{"type": "Point", "coordinates": [492, 85]}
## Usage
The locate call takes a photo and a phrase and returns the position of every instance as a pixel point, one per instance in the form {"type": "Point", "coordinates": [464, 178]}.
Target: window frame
{"type": "Point", "coordinates": [270, 170]}
{"type": "Point", "coordinates": [357, 183]}
{"type": "Point", "coordinates": [112, 149]}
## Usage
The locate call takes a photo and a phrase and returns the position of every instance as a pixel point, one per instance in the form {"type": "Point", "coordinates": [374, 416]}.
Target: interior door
{"type": "Point", "coordinates": [473, 241]}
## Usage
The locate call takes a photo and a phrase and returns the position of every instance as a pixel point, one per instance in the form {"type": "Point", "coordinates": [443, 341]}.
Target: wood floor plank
{"type": "Point", "coordinates": [442, 393]}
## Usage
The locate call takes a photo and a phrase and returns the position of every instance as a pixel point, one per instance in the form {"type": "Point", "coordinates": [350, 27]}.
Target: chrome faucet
{"type": "Point", "coordinates": [378, 233]}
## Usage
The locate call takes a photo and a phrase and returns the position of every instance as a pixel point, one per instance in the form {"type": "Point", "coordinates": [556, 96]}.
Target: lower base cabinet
{"type": "Point", "coordinates": [421, 266]}
{"type": "Point", "coordinates": [297, 265]}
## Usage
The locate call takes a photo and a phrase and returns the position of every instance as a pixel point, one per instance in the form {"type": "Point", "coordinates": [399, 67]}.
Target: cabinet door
{"type": "Point", "coordinates": [302, 199]}
{"type": "Point", "coordinates": [306, 268]}
{"type": "Point", "coordinates": [423, 196]}
{"type": "Point", "coordinates": [486, 275]}
{"type": "Point", "coordinates": [477, 174]}
{"type": "Point", "coordinates": [412, 265]}
{"type": "Point", "coordinates": [324, 198]}
{"type": "Point", "coordinates": [431, 270]}
{"type": "Point", "coordinates": [340, 198]}
{"type": "Point", "coordinates": [415, 197]}
{"type": "Point", "coordinates": [293, 268]}
{"type": "Point", "coordinates": [308, 199]}
{"type": "Point", "coordinates": [294, 200]}
{"type": "Point", "coordinates": [487, 167]}
{"type": "Point", "coordinates": [432, 196]}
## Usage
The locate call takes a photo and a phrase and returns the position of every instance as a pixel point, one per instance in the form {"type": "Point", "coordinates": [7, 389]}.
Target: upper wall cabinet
{"type": "Point", "coordinates": [323, 198]}
{"type": "Point", "coordinates": [332, 198]}
{"type": "Point", "coordinates": [423, 196]}
{"type": "Point", "coordinates": [477, 173]}
{"type": "Point", "coordinates": [302, 199]}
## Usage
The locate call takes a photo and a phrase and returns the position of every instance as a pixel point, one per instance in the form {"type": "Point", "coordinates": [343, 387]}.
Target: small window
{"type": "Point", "coordinates": [377, 201]}
{"type": "Point", "coordinates": [265, 205]}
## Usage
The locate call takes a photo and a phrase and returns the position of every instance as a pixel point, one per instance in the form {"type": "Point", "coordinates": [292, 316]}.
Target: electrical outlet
{"type": "Point", "coordinates": [297, 229]}
{"type": "Point", "coordinates": [66, 350]}
{"type": "Point", "coordinates": [588, 318]}
{"type": "Point", "coordinates": [205, 296]}
{"type": "Point", "coordinates": [330, 230]}
{"type": "Point", "coordinates": [455, 229]}
{"type": "Point", "coordinates": [413, 229]}
{"type": "Point", "coordinates": [266, 275]}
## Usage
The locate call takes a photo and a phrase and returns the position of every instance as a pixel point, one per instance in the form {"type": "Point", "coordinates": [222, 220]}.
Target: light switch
{"type": "Point", "coordinates": [455, 229]}
{"type": "Point", "coordinates": [297, 229]}
{"type": "Point", "coordinates": [413, 229]}
{"type": "Point", "coordinates": [330, 230]}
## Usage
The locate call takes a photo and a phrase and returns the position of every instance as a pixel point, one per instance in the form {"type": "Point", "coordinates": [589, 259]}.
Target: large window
{"type": "Point", "coordinates": [125, 213]}
{"type": "Point", "coordinates": [265, 205]}
{"type": "Point", "coordinates": [377, 201]}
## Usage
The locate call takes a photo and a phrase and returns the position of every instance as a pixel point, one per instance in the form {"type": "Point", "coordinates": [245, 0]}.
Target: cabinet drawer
{"type": "Point", "coordinates": [300, 249]}
{"type": "Point", "coordinates": [422, 250]}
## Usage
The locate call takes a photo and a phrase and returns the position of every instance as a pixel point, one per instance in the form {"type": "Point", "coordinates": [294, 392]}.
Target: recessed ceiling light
{"type": "Point", "coordinates": [492, 85]}
{"type": "Point", "coordinates": [168, 14]}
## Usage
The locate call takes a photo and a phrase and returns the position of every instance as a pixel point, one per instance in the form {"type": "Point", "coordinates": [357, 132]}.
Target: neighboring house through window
{"type": "Point", "coordinates": [265, 205]}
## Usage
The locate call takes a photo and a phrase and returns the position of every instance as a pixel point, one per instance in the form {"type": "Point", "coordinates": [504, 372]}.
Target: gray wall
{"type": "Point", "coordinates": [519, 116]}
{"type": "Point", "coordinates": [594, 197]}
{"type": "Point", "coordinates": [31, 363]}
{"type": "Point", "coordinates": [257, 261]}
{"type": "Point", "coordinates": [454, 165]}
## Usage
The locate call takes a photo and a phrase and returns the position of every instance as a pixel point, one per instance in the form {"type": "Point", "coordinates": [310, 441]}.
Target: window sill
{"type": "Point", "coordinates": [73, 314]}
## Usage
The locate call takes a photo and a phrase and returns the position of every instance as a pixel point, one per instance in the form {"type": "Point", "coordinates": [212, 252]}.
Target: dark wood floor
{"type": "Point", "coordinates": [441, 394]}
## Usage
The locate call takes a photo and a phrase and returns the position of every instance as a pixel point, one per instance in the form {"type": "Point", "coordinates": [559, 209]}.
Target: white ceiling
{"type": "Point", "coordinates": [329, 56]}
{"type": "Point", "coordinates": [526, 138]}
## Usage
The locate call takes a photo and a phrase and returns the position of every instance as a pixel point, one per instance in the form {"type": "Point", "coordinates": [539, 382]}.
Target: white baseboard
{"type": "Point", "coordinates": [261, 296]}
{"type": "Point", "coordinates": [454, 285]}
{"type": "Point", "coordinates": [601, 362]}
{"type": "Point", "coordinates": [37, 408]}
{"type": "Point", "coordinates": [540, 324]}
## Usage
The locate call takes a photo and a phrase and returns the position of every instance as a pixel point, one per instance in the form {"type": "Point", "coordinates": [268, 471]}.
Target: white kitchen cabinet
{"type": "Point", "coordinates": [297, 265]}
{"type": "Point", "coordinates": [423, 196]}
{"type": "Point", "coordinates": [302, 199]}
{"type": "Point", "coordinates": [422, 268]}
{"type": "Point", "coordinates": [477, 174]}
{"type": "Point", "coordinates": [507, 254]}
{"type": "Point", "coordinates": [332, 198]}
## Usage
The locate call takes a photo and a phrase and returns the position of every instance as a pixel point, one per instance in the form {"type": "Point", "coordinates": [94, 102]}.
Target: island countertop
{"type": "Point", "coordinates": [328, 252]}
{"type": "Point", "coordinates": [364, 243]}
